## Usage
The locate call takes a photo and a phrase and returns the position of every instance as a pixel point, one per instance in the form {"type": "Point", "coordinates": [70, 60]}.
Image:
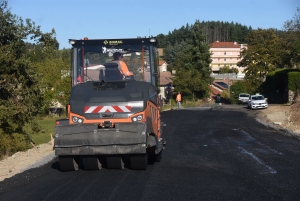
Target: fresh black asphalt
{"type": "Point", "coordinates": [218, 153]}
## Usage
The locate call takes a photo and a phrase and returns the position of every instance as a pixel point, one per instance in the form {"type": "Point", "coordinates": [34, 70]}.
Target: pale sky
{"type": "Point", "coordinates": [104, 19]}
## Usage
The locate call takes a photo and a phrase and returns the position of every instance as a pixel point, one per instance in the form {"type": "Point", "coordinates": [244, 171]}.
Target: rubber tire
{"type": "Point", "coordinates": [68, 163]}
{"type": "Point", "coordinates": [114, 162]}
{"type": "Point", "coordinates": [91, 163]}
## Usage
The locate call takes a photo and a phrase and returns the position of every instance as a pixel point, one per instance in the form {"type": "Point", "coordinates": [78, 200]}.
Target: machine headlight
{"type": "Point", "coordinates": [77, 120]}
{"type": "Point", "coordinates": [137, 118]}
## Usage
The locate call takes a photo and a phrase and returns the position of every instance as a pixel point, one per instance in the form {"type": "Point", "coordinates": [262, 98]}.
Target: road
{"type": "Point", "coordinates": [211, 154]}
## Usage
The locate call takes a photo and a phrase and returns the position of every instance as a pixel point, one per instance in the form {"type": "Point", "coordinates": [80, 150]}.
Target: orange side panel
{"type": "Point", "coordinates": [153, 111]}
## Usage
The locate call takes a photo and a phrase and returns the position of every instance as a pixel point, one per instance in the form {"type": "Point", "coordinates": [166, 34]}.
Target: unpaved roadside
{"type": "Point", "coordinates": [21, 161]}
{"type": "Point", "coordinates": [282, 117]}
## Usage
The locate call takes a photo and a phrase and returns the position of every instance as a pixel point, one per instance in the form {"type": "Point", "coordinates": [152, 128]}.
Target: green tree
{"type": "Point", "coordinates": [262, 55]}
{"type": "Point", "coordinates": [55, 82]}
{"type": "Point", "coordinates": [291, 42]}
{"type": "Point", "coordinates": [236, 88]}
{"type": "Point", "coordinates": [192, 66]}
{"type": "Point", "coordinates": [226, 69]}
{"type": "Point", "coordinates": [53, 67]}
{"type": "Point", "coordinates": [172, 51]}
{"type": "Point", "coordinates": [20, 94]}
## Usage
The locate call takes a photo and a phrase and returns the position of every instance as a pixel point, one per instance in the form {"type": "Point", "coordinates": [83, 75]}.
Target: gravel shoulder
{"type": "Point", "coordinates": [21, 161]}
{"type": "Point", "coordinates": [284, 118]}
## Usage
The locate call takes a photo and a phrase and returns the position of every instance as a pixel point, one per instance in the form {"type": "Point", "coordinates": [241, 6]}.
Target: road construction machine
{"type": "Point", "coordinates": [113, 117]}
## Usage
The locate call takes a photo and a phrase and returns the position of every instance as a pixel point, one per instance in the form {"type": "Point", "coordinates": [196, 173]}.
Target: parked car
{"type": "Point", "coordinates": [257, 101]}
{"type": "Point", "coordinates": [243, 98]}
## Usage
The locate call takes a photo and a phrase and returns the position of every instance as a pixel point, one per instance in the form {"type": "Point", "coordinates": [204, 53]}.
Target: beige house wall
{"type": "Point", "coordinates": [222, 57]}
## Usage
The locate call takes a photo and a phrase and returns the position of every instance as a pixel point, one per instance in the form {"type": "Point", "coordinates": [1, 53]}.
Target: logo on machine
{"type": "Point", "coordinates": [100, 109]}
{"type": "Point", "coordinates": [113, 42]}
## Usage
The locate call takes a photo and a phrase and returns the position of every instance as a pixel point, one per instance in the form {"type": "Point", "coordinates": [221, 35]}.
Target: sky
{"type": "Point", "coordinates": [105, 19]}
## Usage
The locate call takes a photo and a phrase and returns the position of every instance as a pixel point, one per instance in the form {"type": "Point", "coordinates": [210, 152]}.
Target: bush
{"type": "Point", "coordinates": [10, 144]}
{"type": "Point", "coordinates": [294, 81]}
{"type": "Point", "coordinates": [279, 82]}
{"type": "Point", "coordinates": [237, 88]}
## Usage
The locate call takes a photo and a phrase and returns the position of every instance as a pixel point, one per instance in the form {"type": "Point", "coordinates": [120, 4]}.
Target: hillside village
{"type": "Point", "coordinates": [223, 54]}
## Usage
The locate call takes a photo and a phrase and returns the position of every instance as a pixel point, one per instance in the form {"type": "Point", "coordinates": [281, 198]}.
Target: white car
{"type": "Point", "coordinates": [243, 98]}
{"type": "Point", "coordinates": [257, 102]}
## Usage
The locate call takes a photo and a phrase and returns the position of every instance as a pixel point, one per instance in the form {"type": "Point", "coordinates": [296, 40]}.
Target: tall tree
{"type": "Point", "coordinates": [291, 41]}
{"type": "Point", "coordinates": [20, 97]}
{"type": "Point", "coordinates": [261, 56]}
{"type": "Point", "coordinates": [211, 30]}
{"type": "Point", "coordinates": [53, 67]}
{"type": "Point", "coordinates": [192, 66]}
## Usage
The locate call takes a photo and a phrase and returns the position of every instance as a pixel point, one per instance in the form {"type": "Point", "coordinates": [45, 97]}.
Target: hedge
{"type": "Point", "coordinates": [279, 82]}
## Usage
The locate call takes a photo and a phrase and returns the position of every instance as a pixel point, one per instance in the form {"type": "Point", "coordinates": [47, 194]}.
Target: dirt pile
{"type": "Point", "coordinates": [294, 112]}
{"type": "Point", "coordinates": [282, 116]}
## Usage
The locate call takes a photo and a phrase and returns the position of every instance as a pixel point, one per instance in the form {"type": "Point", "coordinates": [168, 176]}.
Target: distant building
{"type": "Point", "coordinates": [226, 54]}
{"type": "Point", "coordinates": [164, 79]}
{"type": "Point", "coordinates": [163, 66]}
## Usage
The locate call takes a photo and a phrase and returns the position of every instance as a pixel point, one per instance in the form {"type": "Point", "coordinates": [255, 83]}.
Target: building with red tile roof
{"type": "Point", "coordinates": [162, 66]}
{"type": "Point", "coordinates": [226, 54]}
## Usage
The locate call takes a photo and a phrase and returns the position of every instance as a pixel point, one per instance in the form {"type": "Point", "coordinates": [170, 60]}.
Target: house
{"type": "Point", "coordinates": [219, 86]}
{"type": "Point", "coordinates": [214, 91]}
{"type": "Point", "coordinates": [162, 66]}
{"type": "Point", "coordinates": [226, 54]}
{"type": "Point", "coordinates": [164, 79]}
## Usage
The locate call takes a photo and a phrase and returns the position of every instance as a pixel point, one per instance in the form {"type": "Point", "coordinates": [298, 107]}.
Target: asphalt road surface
{"type": "Point", "coordinates": [211, 154]}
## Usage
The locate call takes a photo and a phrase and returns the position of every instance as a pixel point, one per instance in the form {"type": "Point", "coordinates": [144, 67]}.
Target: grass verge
{"type": "Point", "coordinates": [47, 125]}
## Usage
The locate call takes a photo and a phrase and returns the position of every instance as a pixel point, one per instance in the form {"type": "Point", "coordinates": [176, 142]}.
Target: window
{"type": "Point", "coordinates": [218, 59]}
{"type": "Point", "coordinates": [224, 59]}
{"type": "Point", "coordinates": [224, 53]}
